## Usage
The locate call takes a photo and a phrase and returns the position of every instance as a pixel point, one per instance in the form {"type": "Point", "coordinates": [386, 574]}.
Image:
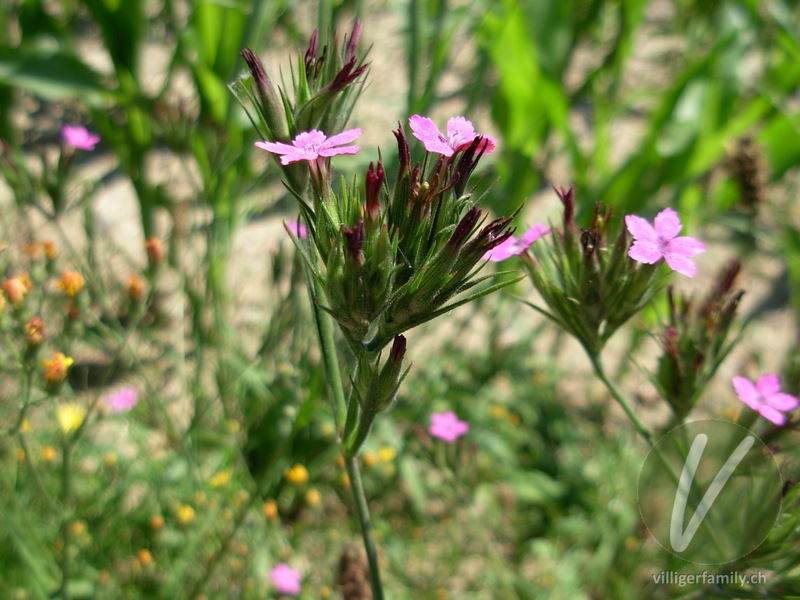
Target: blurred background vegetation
{"type": "Point", "coordinates": [642, 104]}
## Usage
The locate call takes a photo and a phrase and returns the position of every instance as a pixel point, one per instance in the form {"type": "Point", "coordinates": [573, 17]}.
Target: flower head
{"type": "Point", "coordinates": [155, 250]}
{"type": "Point", "coordinates": [297, 475]}
{"type": "Point", "coordinates": [460, 134]}
{"type": "Point", "coordinates": [70, 416]}
{"type": "Point", "coordinates": [652, 243]}
{"type": "Point", "coordinates": [765, 397]}
{"type": "Point", "coordinates": [34, 331]}
{"type": "Point", "coordinates": [55, 369]}
{"type": "Point", "coordinates": [72, 283]}
{"type": "Point", "coordinates": [123, 399]}
{"type": "Point", "coordinates": [447, 426]}
{"type": "Point", "coordinates": [513, 246]}
{"type": "Point", "coordinates": [16, 288]}
{"type": "Point", "coordinates": [286, 579]}
{"type": "Point", "coordinates": [311, 145]}
{"type": "Point", "coordinates": [79, 137]}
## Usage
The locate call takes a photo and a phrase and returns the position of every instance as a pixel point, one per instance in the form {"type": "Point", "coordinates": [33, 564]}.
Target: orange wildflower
{"type": "Point", "coordinates": [55, 369]}
{"type": "Point", "coordinates": [136, 289]}
{"type": "Point", "coordinates": [17, 287]}
{"type": "Point", "coordinates": [34, 331]}
{"type": "Point", "coordinates": [72, 283]}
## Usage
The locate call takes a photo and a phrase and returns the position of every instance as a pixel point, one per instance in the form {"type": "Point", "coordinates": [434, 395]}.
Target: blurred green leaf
{"type": "Point", "coordinates": [50, 75]}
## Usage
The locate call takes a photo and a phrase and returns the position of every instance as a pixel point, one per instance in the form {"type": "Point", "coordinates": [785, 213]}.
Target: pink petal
{"type": "Point", "coordinates": [309, 139]}
{"type": "Point", "coordinates": [533, 234]}
{"type": "Point", "coordinates": [488, 145]}
{"type": "Point", "coordinates": [686, 245]}
{"type": "Point", "coordinates": [681, 264]}
{"type": "Point", "coordinates": [667, 224]}
{"type": "Point", "coordinates": [339, 150]}
{"type": "Point", "coordinates": [645, 252]}
{"type": "Point", "coordinates": [275, 147]}
{"type": "Point", "coordinates": [505, 250]}
{"type": "Point", "coordinates": [640, 229]}
{"type": "Point", "coordinates": [773, 415]}
{"type": "Point", "coordinates": [768, 384]}
{"type": "Point", "coordinates": [460, 132]}
{"type": "Point", "coordinates": [342, 138]}
{"type": "Point", "coordinates": [426, 131]}
{"type": "Point", "coordinates": [784, 402]}
{"type": "Point", "coordinates": [747, 392]}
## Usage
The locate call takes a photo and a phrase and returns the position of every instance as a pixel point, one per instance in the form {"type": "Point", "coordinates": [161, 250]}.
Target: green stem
{"type": "Point", "coordinates": [66, 493]}
{"type": "Point", "coordinates": [362, 510]}
{"type": "Point", "coordinates": [328, 346]}
{"type": "Point", "coordinates": [637, 423]}
{"type": "Point", "coordinates": [329, 355]}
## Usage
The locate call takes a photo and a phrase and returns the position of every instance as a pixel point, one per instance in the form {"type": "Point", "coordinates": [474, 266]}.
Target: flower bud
{"type": "Point", "coordinates": [355, 241]}
{"type": "Point", "coordinates": [34, 331]}
{"type": "Point", "coordinates": [373, 182]}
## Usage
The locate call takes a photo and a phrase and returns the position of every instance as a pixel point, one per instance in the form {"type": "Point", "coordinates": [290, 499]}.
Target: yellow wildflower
{"type": "Point", "coordinates": [387, 454]}
{"type": "Point", "coordinates": [221, 478]}
{"type": "Point", "coordinates": [185, 514]}
{"type": "Point", "coordinates": [297, 475]}
{"type": "Point", "coordinates": [70, 416]}
{"type": "Point", "coordinates": [313, 497]}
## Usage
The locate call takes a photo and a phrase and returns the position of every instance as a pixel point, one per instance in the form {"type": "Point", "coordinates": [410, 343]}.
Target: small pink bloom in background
{"type": "Point", "coordinates": [123, 399]}
{"type": "Point", "coordinates": [310, 145]}
{"type": "Point", "coordinates": [286, 579]}
{"type": "Point", "coordinates": [79, 137]}
{"type": "Point", "coordinates": [298, 228]}
{"type": "Point", "coordinates": [765, 397]}
{"type": "Point", "coordinates": [513, 246]}
{"type": "Point", "coordinates": [447, 426]}
{"type": "Point", "coordinates": [460, 134]}
{"type": "Point", "coordinates": [652, 243]}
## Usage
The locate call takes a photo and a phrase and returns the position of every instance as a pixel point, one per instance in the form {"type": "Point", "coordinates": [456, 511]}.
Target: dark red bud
{"type": "Point", "coordinates": [259, 75]}
{"type": "Point", "coordinates": [355, 241]}
{"type": "Point", "coordinates": [567, 197]}
{"type": "Point", "coordinates": [345, 76]}
{"type": "Point", "coordinates": [311, 53]}
{"type": "Point", "coordinates": [403, 151]}
{"type": "Point", "coordinates": [352, 44]}
{"type": "Point", "coordinates": [398, 349]}
{"type": "Point", "coordinates": [465, 227]}
{"type": "Point", "coordinates": [373, 182]}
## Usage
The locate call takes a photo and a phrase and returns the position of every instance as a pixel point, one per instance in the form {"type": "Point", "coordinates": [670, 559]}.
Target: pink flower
{"type": "Point", "coordinates": [122, 400]}
{"type": "Point", "coordinates": [79, 137]}
{"type": "Point", "coordinates": [652, 243]}
{"type": "Point", "coordinates": [514, 246]}
{"type": "Point", "coordinates": [447, 426]}
{"type": "Point", "coordinates": [286, 579]}
{"type": "Point", "coordinates": [298, 228]}
{"type": "Point", "coordinates": [310, 145]}
{"type": "Point", "coordinates": [765, 397]}
{"type": "Point", "coordinates": [460, 134]}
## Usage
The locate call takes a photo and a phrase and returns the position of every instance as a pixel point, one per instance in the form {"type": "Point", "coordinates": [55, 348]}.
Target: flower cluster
{"type": "Point", "coordinates": [399, 257]}
{"type": "Point", "coordinates": [587, 278]}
